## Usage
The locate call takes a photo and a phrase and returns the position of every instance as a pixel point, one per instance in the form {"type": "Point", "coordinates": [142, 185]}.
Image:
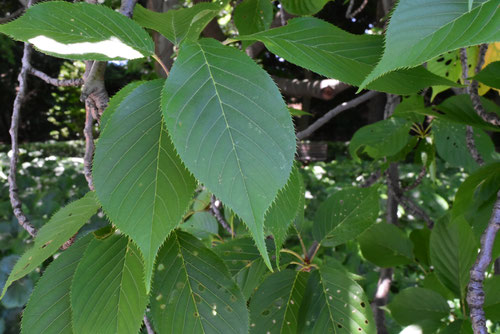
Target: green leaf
{"type": "Point", "coordinates": [492, 298]}
{"type": "Point", "coordinates": [413, 305]}
{"type": "Point", "coordinates": [108, 293]}
{"type": "Point", "coordinates": [451, 144]}
{"type": "Point", "coordinates": [432, 282]}
{"type": "Point", "coordinates": [62, 226]}
{"type": "Point", "coordinates": [346, 214]}
{"type": "Point", "coordinates": [274, 307]}
{"type": "Point", "coordinates": [421, 239]}
{"type": "Point", "coordinates": [250, 276]}
{"type": "Point", "coordinates": [489, 75]}
{"type": "Point", "coordinates": [386, 245]}
{"type": "Point", "coordinates": [49, 310]}
{"type": "Point", "coordinates": [237, 253]}
{"type": "Point", "coordinates": [334, 303]}
{"type": "Point", "coordinates": [252, 16]}
{"type": "Point", "coordinates": [80, 31]}
{"type": "Point", "coordinates": [470, 5]}
{"type": "Point", "coordinates": [201, 224]}
{"type": "Point", "coordinates": [284, 210]}
{"type": "Point", "coordinates": [18, 293]}
{"type": "Point", "coordinates": [453, 250]}
{"type": "Point", "coordinates": [457, 327]}
{"type": "Point", "coordinates": [193, 291]}
{"type": "Point", "coordinates": [116, 100]}
{"type": "Point", "coordinates": [176, 25]}
{"type": "Point", "coordinates": [327, 50]}
{"type": "Point", "coordinates": [139, 179]}
{"type": "Point", "coordinates": [421, 30]}
{"type": "Point", "coordinates": [234, 135]}
{"type": "Point", "coordinates": [303, 7]}
{"type": "Point", "coordinates": [380, 139]}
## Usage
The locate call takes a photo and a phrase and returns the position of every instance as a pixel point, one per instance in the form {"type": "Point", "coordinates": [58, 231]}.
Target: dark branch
{"type": "Point", "coordinates": [12, 16]}
{"type": "Point", "coordinates": [127, 7]}
{"type": "Point", "coordinates": [471, 146]}
{"type": "Point", "coordinates": [215, 210]}
{"type": "Point", "coordinates": [334, 112]}
{"type": "Point", "coordinates": [350, 14]}
{"type": "Point", "coordinates": [89, 142]}
{"type": "Point", "coordinates": [321, 89]}
{"type": "Point", "coordinates": [147, 324]}
{"type": "Point", "coordinates": [371, 179]}
{"type": "Point", "coordinates": [54, 81]}
{"type": "Point", "coordinates": [417, 181]}
{"type": "Point", "coordinates": [381, 298]}
{"type": "Point", "coordinates": [475, 291]}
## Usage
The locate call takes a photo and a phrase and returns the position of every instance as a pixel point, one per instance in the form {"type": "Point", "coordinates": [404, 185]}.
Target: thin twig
{"type": "Point", "coordinates": [215, 210]}
{"type": "Point", "coordinates": [471, 145]}
{"type": "Point", "coordinates": [147, 324]}
{"type": "Point", "coordinates": [350, 14]}
{"type": "Point", "coordinates": [371, 179]}
{"type": "Point", "coordinates": [410, 206]}
{"type": "Point", "coordinates": [334, 112]}
{"type": "Point", "coordinates": [12, 16]}
{"type": "Point", "coordinates": [89, 142]}
{"type": "Point", "coordinates": [417, 181]}
{"type": "Point", "coordinates": [381, 298]}
{"type": "Point", "coordinates": [475, 291]}
{"type": "Point", "coordinates": [54, 81]}
{"type": "Point", "coordinates": [15, 201]}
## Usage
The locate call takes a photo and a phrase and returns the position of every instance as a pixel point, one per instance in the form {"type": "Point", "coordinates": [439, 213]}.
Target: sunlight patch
{"type": "Point", "coordinates": [111, 48]}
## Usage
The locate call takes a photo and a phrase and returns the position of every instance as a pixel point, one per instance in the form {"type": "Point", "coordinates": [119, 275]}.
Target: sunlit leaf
{"type": "Point", "coordinates": [303, 7]}
{"type": "Point", "coordinates": [252, 16]}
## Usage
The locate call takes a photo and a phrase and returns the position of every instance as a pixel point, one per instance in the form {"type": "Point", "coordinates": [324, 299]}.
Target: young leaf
{"type": "Point", "coordinates": [334, 303]}
{"type": "Point", "coordinates": [327, 50]}
{"type": "Point", "coordinates": [108, 293]}
{"type": "Point", "coordinates": [386, 245]}
{"type": "Point", "coordinates": [284, 210]}
{"type": "Point", "coordinates": [139, 179]}
{"type": "Point", "coordinates": [116, 100]}
{"type": "Point", "coordinates": [62, 226]}
{"type": "Point", "coordinates": [175, 25]}
{"type": "Point", "coordinates": [193, 291]}
{"type": "Point", "coordinates": [235, 136]}
{"type": "Point", "coordinates": [274, 307]}
{"type": "Point", "coordinates": [489, 75]}
{"type": "Point", "coordinates": [345, 215]}
{"type": "Point", "coordinates": [49, 310]}
{"type": "Point", "coordinates": [252, 16]}
{"type": "Point", "coordinates": [421, 30]}
{"type": "Point", "coordinates": [413, 305]}
{"type": "Point", "coordinates": [380, 139]}
{"type": "Point", "coordinates": [80, 31]}
{"type": "Point", "coordinates": [453, 250]}
{"type": "Point", "coordinates": [303, 7]}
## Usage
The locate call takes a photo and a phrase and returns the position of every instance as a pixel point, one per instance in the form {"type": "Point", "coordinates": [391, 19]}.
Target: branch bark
{"type": "Point", "coordinates": [475, 291]}
{"type": "Point", "coordinates": [54, 81]}
{"type": "Point", "coordinates": [215, 210]}
{"type": "Point", "coordinates": [325, 89]}
{"type": "Point", "coordinates": [147, 324]}
{"type": "Point", "coordinates": [12, 16]}
{"type": "Point", "coordinates": [334, 112]}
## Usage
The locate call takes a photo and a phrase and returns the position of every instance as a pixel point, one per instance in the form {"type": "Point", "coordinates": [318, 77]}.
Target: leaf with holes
{"type": "Point", "coordinates": [284, 210]}
{"type": "Point", "coordinates": [59, 229]}
{"type": "Point", "coordinates": [140, 181]}
{"type": "Point", "coordinates": [381, 139]}
{"type": "Point", "coordinates": [176, 25]}
{"type": "Point", "coordinates": [252, 16]}
{"type": "Point", "coordinates": [386, 245]}
{"type": "Point", "coordinates": [420, 30]}
{"type": "Point", "coordinates": [453, 250]}
{"type": "Point", "coordinates": [48, 310]}
{"type": "Point", "coordinates": [80, 31]}
{"type": "Point", "coordinates": [193, 291]}
{"type": "Point", "coordinates": [335, 303]}
{"type": "Point", "coordinates": [108, 293]}
{"type": "Point", "coordinates": [231, 128]}
{"type": "Point", "coordinates": [414, 305]}
{"type": "Point", "coordinates": [303, 7]}
{"type": "Point", "coordinates": [274, 307]}
{"type": "Point", "coordinates": [345, 215]}
{"type": "Point", "coordinates": [327, 50]}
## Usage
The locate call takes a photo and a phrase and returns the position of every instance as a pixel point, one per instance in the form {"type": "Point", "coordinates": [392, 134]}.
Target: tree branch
{"type": "Point", "coordinates": [325, 89]}
{"type": "Point", "coordinates": [127, 7]}
{"type": "Point", "coordinates": [334, 112]}
{"type": "Point", "coordinates": [471, 145]}
{"type": "Point", "coordinates": [89, 142]}
{"type": "Point", "coordinates": [417, 181]}
{"type": "Point", "coordinates": [381, 298]}
{"type": "Point", "coordinates": [12, 16]}
{"type": "Point", "coordinates": [350, 14]}
{"type": "Point", "coordinates": [147, 324]}
{"type": "Point", "coordinates": [54, 81]}
{"type": "Point", "coordinates": [475, 291]}
{"type": "Point", "coordinates": [215, 210]}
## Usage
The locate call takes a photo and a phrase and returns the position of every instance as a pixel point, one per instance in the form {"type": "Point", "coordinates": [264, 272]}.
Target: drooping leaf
{"type": "Point", "coordinates": [303, 7]}
{"type": "Point", "coordinates": [421, 30]}
{"type": "Point", "coordinates": [451, 144]}
{"type": "Point", "coordinates": [178, 24]}
{"type": "Point", "coordinates": [116, 100]}
{"type": "Point", "coordinates": [252, 16]}
{"type": "Point", "coordinates": [284, 210]}
{"type": "Point", "coordinates": [334, 303]}
{"type": "Point", "coordinates": [346, 214]}
{"type": "Point", "coordinates": [386, 245]}
{"type": "Point", "coordinates": [489, 75]}
{"type": "Point", "coordinates": [453, 250]}
{"type": "Point", "coordinates": [413, 305]}
{"type": "Point", "coordinates": [193, 291]}
{"type": "Point", "coordinates": [62, 226]}
{"type": "Point", "coordinates": [108, 293]}
{"type": "Point", "coordinates": [139, 179]}
{"type": "Point", "coordinates": [327, 50]}
{"type": "Point", "coordinates": [49, 308]}
{"type": "Point", "coordinates": [380, 139]}
{"type": "Point", "coordinates": [235, 136]}
{"type": "Point", "coordinates": [80, 31]}
{"type": "Point", "coordinates": [274, 307]}
{"type": "Point", "coordinates": [201, 224]}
